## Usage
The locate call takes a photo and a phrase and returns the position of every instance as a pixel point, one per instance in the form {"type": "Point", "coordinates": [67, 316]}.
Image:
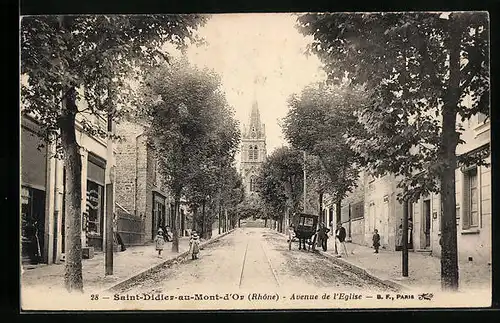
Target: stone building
{"type": "Point", "coordinates": [253, 150]}
{"type": "Point", "coordinates": [143, 200]}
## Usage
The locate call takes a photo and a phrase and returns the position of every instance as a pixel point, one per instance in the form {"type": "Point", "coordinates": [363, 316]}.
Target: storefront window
{"type": "Point", "coordinates": [32, 224]}
{"type": "Point", "coordinates": [95, 208]}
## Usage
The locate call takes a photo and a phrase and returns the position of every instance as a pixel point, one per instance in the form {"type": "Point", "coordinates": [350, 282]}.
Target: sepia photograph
{"type": "Point", "coordinates": [255, 161]}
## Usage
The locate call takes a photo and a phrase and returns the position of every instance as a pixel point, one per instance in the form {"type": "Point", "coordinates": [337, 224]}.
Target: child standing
{"type": "Point", "coordinates": [194, 245]}
{"type": "Point", "coordinates": [160, 242]}
{"type": "Point", "coordinates": [376, 240]}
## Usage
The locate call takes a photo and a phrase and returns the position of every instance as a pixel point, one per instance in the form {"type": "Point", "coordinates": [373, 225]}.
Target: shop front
{"type": "Point", "coordinates": [94, 215]}
{"type": "Point", "coordinates": [33, 186]}
{"type": "Point", "coordinates": [32, 224]}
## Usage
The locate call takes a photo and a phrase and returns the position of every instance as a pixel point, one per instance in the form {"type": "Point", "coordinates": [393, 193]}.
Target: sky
{"type": "Point", "coordinates": [244, 47]}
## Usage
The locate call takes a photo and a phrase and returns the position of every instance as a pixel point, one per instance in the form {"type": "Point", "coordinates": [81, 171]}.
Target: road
{"type": "Point", "coordinates": [254, 259]}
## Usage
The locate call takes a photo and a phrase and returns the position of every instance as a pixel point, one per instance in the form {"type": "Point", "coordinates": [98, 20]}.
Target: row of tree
{"type": "Point", "coordinates": [77, 68]}
{"type": "Point", "coordinates": [318, 125]}
{"type": "Point", "coordinates": [400, 83]}
{"type": "Point", "coordinates": [396, 85]}
{"type": "Point", "coordinates": [195, 135]}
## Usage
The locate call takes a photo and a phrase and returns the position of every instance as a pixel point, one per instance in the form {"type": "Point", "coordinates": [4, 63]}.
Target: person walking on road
{"type": "Point", "coordinates": [340, 235]}
{"type": "Point", "coordinates": [194, 245]}
{"type": "Point", "coordinates": [376, 240]}
{"type": "Point", "coordinates": [160, 242]}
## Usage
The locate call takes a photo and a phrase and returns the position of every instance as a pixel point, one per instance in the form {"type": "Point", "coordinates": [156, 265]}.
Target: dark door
{"type": "Point", "coordinates": [32, 225]}
{"type": "Point", "coordinates": [427, 223]}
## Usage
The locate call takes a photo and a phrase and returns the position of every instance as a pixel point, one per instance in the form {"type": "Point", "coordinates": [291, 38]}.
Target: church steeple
{"type": "Point", "coordinates": [255, 127]}
{"type": "Point", "coordinates": [253, 148]}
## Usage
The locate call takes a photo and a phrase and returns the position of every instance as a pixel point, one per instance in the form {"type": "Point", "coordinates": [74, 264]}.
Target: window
{"type": "Point", "coordinates": [95, 208]}
{"type": "Point", "coordinates": [471, 199]}
{"type": "Point", "coordinates": [357, 210]}
{"type": "Point", "coordinates": [252, 153]}
{"type": "Point", "coordinates": [32, 224]}
{"type": "Point", "coordinates": [252, 184]}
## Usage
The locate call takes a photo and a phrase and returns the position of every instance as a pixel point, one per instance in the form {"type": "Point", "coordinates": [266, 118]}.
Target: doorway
{"type": "Point", "coordinates": [372, 219]}
{"type": "Point", "coordinates": [32, 225]}
{"type": "Point", "coordinates": [384, 224]}
{"type": "Point", "coordinates": [426, 243]}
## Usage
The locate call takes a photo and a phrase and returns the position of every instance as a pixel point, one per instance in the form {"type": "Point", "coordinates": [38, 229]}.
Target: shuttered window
{"type": "Point", "coordinates": [357, 210]}
{"type": "Point", "coordinates": [470, 199]}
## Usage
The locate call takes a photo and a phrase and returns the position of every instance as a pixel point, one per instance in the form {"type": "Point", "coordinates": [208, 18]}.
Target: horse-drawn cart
{"type": "Point", "coordinates": [304, 227]}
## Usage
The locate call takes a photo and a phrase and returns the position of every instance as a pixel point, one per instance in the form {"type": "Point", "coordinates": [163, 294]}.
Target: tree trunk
{"type": "Point", "coordinates": [449, 140]}
{"type": "Point", "coordinates": [220, 220]}
{"type": "Point", "coordinates": [203, 224]}
{"type": "Point", "coordinates": [404, 250]}
{"type": "Point", "coordinates": [338, 213]}
{"type": "Point", "coordinates": [320, 201]}
{"type": "Point", "coordinates": [73, 279]}
{"type": "Point", "coordinates": [193, 225]}
{"type": "Point", "coordinates": [175, 231]}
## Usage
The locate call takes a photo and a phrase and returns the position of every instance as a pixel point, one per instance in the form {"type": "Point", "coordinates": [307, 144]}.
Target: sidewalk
{"type": "Point", "coordinates": [424, 271]}
{"type": "Point", "coordinates": [125, 264]}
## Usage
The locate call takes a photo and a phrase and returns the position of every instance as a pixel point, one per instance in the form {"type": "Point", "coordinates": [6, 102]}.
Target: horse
{"type": "Point", "coordinates": [305, 239]}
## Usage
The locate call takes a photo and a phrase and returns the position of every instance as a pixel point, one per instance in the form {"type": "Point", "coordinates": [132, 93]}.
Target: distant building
{"type": "Point", "coordinates": [253, 150]}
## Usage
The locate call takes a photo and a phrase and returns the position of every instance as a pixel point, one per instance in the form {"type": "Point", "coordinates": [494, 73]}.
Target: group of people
{"type": "Point", "coordinates": [321, 238]}
{"type": "Point", "coordinates": [194, 243]}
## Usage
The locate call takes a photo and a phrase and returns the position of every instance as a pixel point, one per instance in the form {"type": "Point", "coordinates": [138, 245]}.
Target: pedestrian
{"type": "Point", "coordinates": [194, 245]}
{"type": "Point", "coordinates": [323, 236]}
{"type": "Point", "coordinates": [399, 238]}
{"type": "Point", "coordinates": [160, 242]}
{"type": "Point", "coordinates": [410, 233]}
{"type": "Point", "coordinates": [340, 235]}
{"type": "Point", "coordinates": [376, 240]}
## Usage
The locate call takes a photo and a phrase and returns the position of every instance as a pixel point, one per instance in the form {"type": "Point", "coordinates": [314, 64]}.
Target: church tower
{"type": "Point", "coordinates": [253, 150]}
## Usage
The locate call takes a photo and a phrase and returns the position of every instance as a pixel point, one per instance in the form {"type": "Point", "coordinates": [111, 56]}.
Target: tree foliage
{"type": "Point", "coordinates": [96, 55]}
{"type": "Point", "coordinates": [424, 71]}
{"type": "Point", "coordinates": [403, 61]}
{"type": "Point", "coordinates": [319, 121]}
{"type": "Point", "coordinates": [279, 182]}
{"type": "Point", "coordinates": [75, 68]}
{"type": "Point", "coordinates": [193, 129]}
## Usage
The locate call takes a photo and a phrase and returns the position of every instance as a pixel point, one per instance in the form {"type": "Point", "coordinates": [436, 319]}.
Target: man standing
{"type": "Point", "coordinates": [323, 236]}
{"type": "Point", "coordinates": [340, 235]}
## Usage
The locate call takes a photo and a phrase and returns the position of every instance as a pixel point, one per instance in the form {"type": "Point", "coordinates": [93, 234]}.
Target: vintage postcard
{"type": "Point", "coordinates": [255, 161]}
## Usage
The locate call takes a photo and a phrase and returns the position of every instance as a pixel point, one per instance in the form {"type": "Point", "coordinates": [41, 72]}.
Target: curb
{"type": "Point", "coordinates": [362, 271]}
{"type": "Point", "coordinates": [148, 271]}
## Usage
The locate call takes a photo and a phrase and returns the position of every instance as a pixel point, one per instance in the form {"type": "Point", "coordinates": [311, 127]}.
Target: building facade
{"type": "Point", "coordinates": [382, 210]}
{"type": "Point", "coordinates": [43, 193]}
{"type": "Point", "coordinates": [253, 150]}
{"type": "Point", "coordinates": [473, 201]}
{"type": "Point", "coordinates": [143, 200]}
